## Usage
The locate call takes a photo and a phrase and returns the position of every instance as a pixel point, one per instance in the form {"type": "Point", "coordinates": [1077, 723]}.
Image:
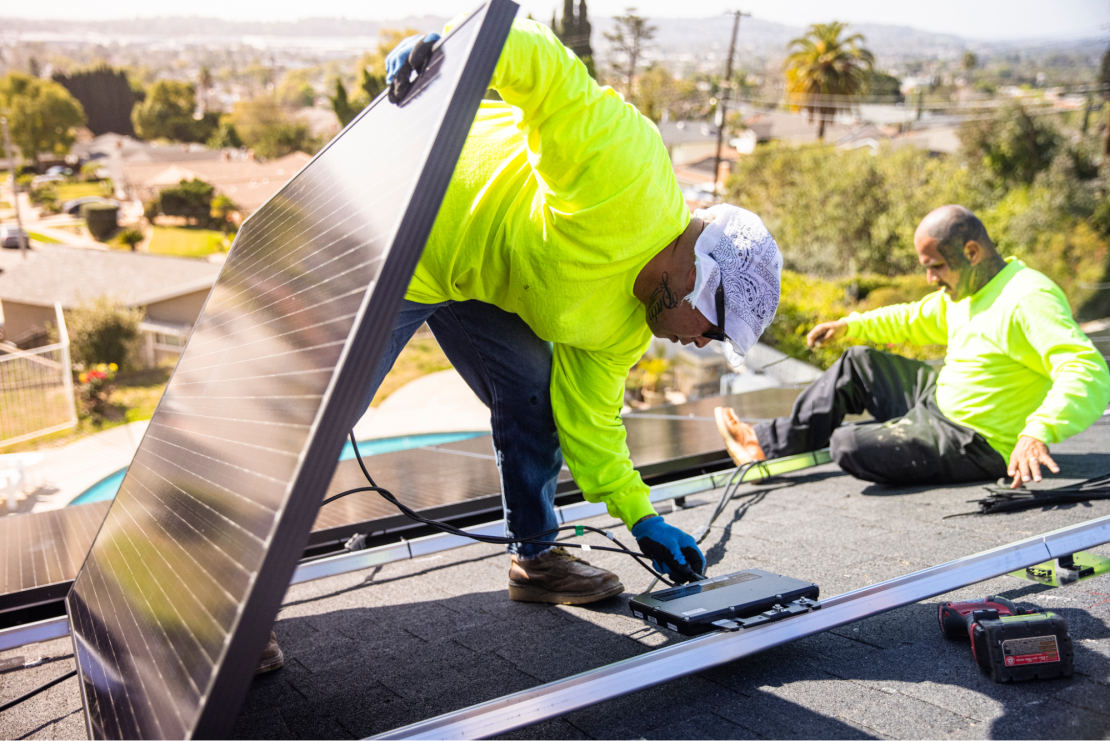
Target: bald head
{"type": "Point", "coordinates": [956, 252]}
{"type": "Point", "coordinates": [952, 227]}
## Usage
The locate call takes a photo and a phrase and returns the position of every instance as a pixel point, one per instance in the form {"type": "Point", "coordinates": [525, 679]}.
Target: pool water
{"type": "Point", "coordinates": [107, 487]}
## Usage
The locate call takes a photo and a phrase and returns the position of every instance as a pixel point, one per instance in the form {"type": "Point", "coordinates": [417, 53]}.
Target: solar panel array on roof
{"type": "Point", "coordinates": [174, 602]}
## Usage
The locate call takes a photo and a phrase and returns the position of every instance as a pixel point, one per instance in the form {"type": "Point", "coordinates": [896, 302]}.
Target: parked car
{"type": "Point", "coordinates": [44, 179]}
{"type": "Point", "coordinates": [74, 207]}
{"type": "Point", "coordinates": [59, 170]}
{"type": "Point", "coordinates": [12, 237]}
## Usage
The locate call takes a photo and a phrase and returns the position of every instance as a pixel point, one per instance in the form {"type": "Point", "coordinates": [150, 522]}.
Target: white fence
{"type": "Point", "coordinates": [36, 390]}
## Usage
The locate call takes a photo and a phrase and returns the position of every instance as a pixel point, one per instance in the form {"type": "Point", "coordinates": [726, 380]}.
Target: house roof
{"type": "Point", "coordinates": [790, 127]}
{"type": "Point", "coordinates": [71, 275]}
{"type": "Point", "coordinates": [249, 183]}
{"type": "Point", "coordinates": [686, 132]}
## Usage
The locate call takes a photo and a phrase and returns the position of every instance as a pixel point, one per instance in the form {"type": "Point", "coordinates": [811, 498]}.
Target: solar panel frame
{"type": "Point", "coordinates": [109, 666]}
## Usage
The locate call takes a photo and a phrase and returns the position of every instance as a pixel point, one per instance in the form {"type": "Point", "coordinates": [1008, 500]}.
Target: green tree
{"type": "Point", "coordinates": [970, 61]}
{"type": "Point", "coordinates": [168, 113]}
{"type": "Point", "coordinates": [882, 85]}
{"type": "Point", "coordinates": [341, 104]}
{"type": "Point", "coordinates": [1013, 145]}
{"type": "Point", "coordinates": [631, 36]}
{"type": "Point", "coordinates": [41, 114]}
{"type": "Point", "coordinates": [226, 137]}
{"type": "Point", "coordinates": [822, 68]}
{"type": "Point", "coordinates": [574, 31]}
{"type": "Point", "coordinates": [106, 96]}
{"type": "Point", "coordinates": [285, 138]}
{"type": "Point", "coordinates": [266, 127]}
{"type": "Point", "coordinates": [189, 198]}
{"type": "Point", "coordinates": [103, 330]}
{"type": "Point", "coordinates": [130, 238]}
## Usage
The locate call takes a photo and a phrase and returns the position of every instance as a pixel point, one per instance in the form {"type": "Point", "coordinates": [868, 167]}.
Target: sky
{"type": "Point", "coordinates": [987, 20]}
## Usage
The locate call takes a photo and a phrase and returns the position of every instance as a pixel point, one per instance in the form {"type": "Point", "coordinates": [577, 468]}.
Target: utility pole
{"type": "Point", "coordinates": [15, 188]}
{"type": "Point", "coordinates": [722, 102]}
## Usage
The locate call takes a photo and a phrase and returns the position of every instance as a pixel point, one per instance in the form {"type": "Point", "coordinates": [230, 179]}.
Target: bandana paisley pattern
{"type": "Point", "coordinates": [738, 246]}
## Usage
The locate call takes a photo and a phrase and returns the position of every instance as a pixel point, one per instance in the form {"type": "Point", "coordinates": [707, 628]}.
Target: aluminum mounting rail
{"type": "Point", "coordinates": [589, 688]}
{"type": "Point", "coordinates": [344, 563]}
{"type": "Point", "coordinates": [418, 547]}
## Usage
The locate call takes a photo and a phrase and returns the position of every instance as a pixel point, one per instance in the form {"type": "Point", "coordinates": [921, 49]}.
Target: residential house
{"type": "Point", "coordinates": [171, 290]}
{"type": "Point", "coordinates": [246, 181]}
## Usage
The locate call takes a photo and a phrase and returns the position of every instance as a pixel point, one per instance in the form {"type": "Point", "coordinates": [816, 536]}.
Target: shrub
{"type": "Point", "coordinates": [94, 388]}
{"type": "Point", "coordinates": [807, 301]}
{"type": "Point", "coordinates": [45, 197]}
{"type": "Point", "coordinates": [103, 330]}
{"type": "Point", "coordinates": [100, 218]}
{"type": "Point", "coordinates": [190, 198]}
{"type": "Point", "coordinates": [130, 238]}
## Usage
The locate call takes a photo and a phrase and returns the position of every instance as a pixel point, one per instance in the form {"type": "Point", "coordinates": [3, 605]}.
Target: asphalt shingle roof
{"type": "Point", "coordinates": [72, 274]}
{"type": "Point", "coordinates": [387, 646]}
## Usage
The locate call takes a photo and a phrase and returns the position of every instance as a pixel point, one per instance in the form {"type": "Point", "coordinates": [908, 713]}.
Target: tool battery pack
{"type": "Point", "coordinates": [1014, 648]}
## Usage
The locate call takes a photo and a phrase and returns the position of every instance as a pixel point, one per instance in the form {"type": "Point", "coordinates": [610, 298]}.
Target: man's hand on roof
{"type": "Point", "coordinates": [671, 550]}
{"type": "Point", "coordinates": [826, 332]}
{"type": "Point", "coordinates": [1026, 461]}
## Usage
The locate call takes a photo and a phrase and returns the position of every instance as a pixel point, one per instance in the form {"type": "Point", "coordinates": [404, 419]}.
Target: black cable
{"type": "Point", "coordinates": [12, 703]}
{"type": "Point", "coordinates": [538, 539]}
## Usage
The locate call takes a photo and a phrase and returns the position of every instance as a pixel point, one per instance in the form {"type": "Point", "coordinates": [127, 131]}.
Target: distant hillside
{"type": "Point", "coordinates": [175, 26]}
{"type": "Point", "coordinates": [676, 38]}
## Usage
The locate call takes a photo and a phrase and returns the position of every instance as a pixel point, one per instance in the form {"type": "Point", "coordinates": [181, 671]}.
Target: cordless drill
{"type": "Point", "coordinates": [1008, 642]}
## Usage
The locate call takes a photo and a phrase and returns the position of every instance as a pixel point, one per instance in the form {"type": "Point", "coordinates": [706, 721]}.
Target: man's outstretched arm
{"type": "Point", "coordinates": [1045, 338]}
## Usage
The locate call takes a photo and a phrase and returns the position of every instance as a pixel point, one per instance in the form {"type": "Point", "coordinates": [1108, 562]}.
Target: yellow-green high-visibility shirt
{"type": "Point", "coordinates": [562, 194]}
{"type": "Point", "coordinates": [1017, 363]}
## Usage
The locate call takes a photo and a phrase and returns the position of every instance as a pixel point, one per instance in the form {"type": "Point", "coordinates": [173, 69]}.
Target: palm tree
{"type": "Point", "coordinates": [822, 65]}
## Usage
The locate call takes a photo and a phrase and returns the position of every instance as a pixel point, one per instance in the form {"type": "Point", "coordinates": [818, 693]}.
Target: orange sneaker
{"type": "Point", "coordinates": [740, 440]}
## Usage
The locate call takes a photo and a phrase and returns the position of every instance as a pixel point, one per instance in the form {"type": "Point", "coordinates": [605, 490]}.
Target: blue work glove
{"type": "Point", "coordinates": [671, 550]}
{"type": "Point", "coordinates": [400, 54]}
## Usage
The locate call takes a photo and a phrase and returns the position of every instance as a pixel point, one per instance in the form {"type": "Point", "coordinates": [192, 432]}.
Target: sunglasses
{"type": "Point", "coordinates": [718, 332]}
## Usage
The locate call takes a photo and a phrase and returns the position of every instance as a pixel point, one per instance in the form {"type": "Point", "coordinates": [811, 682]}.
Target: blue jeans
{"type": "Point", "coordinates": [509, 368]}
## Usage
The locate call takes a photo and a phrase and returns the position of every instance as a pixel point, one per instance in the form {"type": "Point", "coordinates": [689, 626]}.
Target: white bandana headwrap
{"type": "Point", "coordinates": [737, 245]}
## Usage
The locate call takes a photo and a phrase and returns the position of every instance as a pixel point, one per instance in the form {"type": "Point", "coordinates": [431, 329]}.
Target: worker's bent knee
{"type": "Point", "coordinates": [872, 452]}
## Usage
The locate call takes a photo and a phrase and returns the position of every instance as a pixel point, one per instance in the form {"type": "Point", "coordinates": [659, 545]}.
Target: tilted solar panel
{"type": "Point", "coordinates": [175, 600]}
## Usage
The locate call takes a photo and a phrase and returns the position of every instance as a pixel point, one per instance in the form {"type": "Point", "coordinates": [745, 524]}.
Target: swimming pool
{"type": "Point", "coordinates": [107, 487]}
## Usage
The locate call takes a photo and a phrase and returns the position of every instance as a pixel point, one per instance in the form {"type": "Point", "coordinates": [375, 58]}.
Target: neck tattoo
{"type": "Point", "coordinates": [661, 298]}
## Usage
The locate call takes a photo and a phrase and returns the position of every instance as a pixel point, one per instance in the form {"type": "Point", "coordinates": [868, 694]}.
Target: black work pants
{"type": "Point", "coordinates": [910, 442]}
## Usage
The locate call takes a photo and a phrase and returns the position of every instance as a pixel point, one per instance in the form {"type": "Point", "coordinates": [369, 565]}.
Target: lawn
{"type": "Point", "coordinates": [186, 241]}
{"type": "Point", "coordinates": [419, 358]}
{"type": "Point", "coordinates": [69, 191]}
{"type": "Point", "coordinates": [4, 205]}
{"type": "Point", "coordinates": [42, 238]}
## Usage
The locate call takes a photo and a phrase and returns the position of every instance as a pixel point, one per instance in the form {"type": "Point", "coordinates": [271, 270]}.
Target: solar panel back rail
{"type": "Point", "coordinates": [173, 604]}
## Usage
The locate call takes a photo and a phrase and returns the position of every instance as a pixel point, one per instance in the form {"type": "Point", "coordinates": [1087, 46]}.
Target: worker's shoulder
{"type": "Point", "coordinates": [1027, 282]}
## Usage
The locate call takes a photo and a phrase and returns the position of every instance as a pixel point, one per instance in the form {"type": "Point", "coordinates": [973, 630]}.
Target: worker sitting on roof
{"type": "Point", "coordinates": [1019, 375]}
{"type": "Point", "coordinates": [563, 243]}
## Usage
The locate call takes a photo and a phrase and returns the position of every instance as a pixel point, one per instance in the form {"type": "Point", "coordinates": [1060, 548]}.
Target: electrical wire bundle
{"type": "Point", "coordinates": [1005, 499]}
{"type": "Point", "coordinates": [539, 539]}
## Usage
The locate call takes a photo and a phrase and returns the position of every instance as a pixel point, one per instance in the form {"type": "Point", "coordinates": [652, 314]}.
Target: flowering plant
{"type": "Point", "coordinates": [94, 386]}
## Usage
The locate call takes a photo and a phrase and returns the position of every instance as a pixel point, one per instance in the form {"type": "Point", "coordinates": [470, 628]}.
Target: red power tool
{"type": "Point", "coordinates": [1008, 642]}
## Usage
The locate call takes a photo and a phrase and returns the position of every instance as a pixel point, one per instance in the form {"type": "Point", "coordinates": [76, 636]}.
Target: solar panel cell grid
{"type": "Point", "coordinates": [190, 562]}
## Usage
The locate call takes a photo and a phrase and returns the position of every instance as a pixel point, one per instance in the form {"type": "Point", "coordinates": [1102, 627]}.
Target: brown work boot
{"type": "Point", "coordinates": [272, 657]}
{"type": "Point", "coordinates": [740, 440]}
{"type": "Point", "coordinates": [559, 578]}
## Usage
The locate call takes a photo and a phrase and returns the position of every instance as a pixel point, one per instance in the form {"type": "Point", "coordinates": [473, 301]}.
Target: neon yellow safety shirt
{"type": "Point", "coordinates": [1017, 363]}
{"type": "Point", "coordinates": [562, 194]}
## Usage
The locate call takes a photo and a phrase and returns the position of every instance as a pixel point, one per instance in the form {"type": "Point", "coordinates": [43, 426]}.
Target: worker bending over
{"type": "Point", "coordinates": [563, 243]}
{"type": "Point", "coordinates": [1019, 375]}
